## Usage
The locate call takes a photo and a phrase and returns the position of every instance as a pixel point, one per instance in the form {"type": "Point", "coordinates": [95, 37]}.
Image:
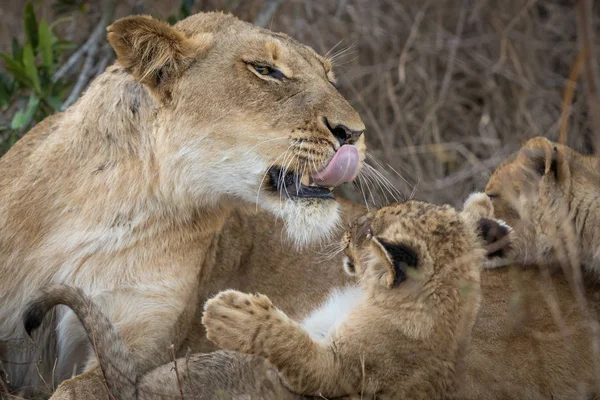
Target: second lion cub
{"type": "Point", "coordinates": [400, 333]}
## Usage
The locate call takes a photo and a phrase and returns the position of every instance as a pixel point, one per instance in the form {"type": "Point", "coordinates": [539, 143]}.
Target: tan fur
{"type": "Point", "coordinates": [126, 192]}
{"type": "Point", "coordinates": [549, 194]}
{"type": "Point", "coordinates": [402, 340]}
{"type": "Point", "coordinates": [414, 353]}
{"type": "Point", "coordinates": [519, 348]}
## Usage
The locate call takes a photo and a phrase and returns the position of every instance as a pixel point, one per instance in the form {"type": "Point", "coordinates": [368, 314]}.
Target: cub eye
{"type": "Point", "coordinates": [492, 195]}
{"type": "Point", "coordinates": [349, 266]}
{"type": "Point", "coordinates": [265, 70]}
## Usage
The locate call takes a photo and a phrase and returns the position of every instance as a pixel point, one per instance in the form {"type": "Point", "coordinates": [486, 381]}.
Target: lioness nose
{"type": "Point", "coordinates": [342, 133]}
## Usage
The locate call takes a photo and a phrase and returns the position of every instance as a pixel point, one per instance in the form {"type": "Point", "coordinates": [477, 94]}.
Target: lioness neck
{"type": "Point", "coordinates": [88, 204]}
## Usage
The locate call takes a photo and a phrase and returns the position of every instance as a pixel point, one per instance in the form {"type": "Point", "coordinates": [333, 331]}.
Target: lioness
{"type": "Point", "coordinates": [126, 192]}
{"type": "Point", "coordinates": [399, 334]}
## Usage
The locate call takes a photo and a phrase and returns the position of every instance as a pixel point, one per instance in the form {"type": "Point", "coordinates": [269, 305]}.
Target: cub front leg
{"type": "Point", "coordinates": [251, 324]}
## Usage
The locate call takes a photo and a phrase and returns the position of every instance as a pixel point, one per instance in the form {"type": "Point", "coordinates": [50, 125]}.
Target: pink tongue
{"type": "Point", "coordinates": [342, 168]}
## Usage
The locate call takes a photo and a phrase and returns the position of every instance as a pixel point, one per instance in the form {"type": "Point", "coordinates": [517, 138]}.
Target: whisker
{"type": "Point", "coordinates": [364, 176]}
{"type": "Point", "coordinates": [362, 190]}
{"type": "Point", "coordinates": [384, 184]}
{"type": "Point", "coordinates": [414, 191]}
{"type": "Point", "coordinates": [333, 48]}
{"type": "Point", "coordinates": [266, 172]}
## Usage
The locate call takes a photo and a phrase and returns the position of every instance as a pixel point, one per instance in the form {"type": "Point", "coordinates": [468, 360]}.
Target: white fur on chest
{"type": "Point", "coordinates": [325, 320]}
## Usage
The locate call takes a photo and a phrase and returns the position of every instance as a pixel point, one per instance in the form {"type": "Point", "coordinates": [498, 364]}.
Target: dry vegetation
{"type": "Point", "coordinates": [447, 88]}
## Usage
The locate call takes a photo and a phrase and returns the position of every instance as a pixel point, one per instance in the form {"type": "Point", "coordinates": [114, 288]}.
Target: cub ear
{"type": "Point", "coordinates": [152, 51]}
{"type": "Point", "coordinates": [544, 158]}
{"type": "Point", "coordinates": [397, 257]}
{"type": "Point", "coordinates": [495, 235]}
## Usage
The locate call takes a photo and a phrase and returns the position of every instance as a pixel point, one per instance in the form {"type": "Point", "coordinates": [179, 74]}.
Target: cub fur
{"type": "Point", "coordinates": [399, 334]}
{"type": "Point", "coordinates": [398, 273]}
{"type": "Point", "coordinates": [126, 192]}
{"type": "Point", "coordinates": [549, 194]}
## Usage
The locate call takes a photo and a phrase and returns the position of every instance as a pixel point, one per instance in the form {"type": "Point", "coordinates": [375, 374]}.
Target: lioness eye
{"type": "Point", "coordinates": [269, 71]}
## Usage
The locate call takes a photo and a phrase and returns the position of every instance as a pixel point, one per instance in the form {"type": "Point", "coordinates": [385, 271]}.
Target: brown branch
{"type": "Point", "coordinates": [585, 35]}
{"type": "Point", "coordinates": [179, 385]}
{"type": "Point", "coordinates": [76, 57]}
{"type": "Point", "coordinates": [3, 381]}
{"type": "Point", "coordinates": [568, 95]}
{"type": "Point", "coordinates": [90, 48]}
{"type": "Point", "coordinates": [267, 12]}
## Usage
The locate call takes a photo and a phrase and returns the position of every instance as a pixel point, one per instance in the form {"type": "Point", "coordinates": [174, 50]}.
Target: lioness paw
{"type": "Point", "coordinates": [234, 320]}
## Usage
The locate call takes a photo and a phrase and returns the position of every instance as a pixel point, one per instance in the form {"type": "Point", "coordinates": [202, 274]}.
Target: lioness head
{"type": "Point", "coordinates": [419, 242]}
{"type": "Point", "coordinates": [546, 192]}
{"type": "Point", "coordinates": [244, 114]}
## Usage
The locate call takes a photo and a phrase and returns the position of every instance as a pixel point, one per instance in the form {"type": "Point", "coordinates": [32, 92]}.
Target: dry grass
{"type": "Point", "coordinates": [447, 88]}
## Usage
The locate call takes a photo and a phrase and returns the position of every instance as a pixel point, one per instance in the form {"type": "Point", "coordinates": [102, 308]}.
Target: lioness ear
{"type": "Point", "coordinates": [152, 51]}
{"type": "Point", "coordinates": [495, 235]}
{"type": "Point", "coordinates": [397, 257]}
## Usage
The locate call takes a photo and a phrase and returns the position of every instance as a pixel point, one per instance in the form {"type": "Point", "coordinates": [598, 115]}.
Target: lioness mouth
{"type": "Point", "coordinates": [342, 168]}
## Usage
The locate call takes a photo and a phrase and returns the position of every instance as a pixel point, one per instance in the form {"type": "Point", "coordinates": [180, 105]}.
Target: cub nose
{"type": "Point", "coordinates": [342, 133]}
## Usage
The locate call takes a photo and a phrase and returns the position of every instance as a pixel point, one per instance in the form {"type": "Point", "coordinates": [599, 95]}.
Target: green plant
{"type": "Point", "coordinates": [28, 84]}
{"type": "Point", "coordinates": [185, 9]}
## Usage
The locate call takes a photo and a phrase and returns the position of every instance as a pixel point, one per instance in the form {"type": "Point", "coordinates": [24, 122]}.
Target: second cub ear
{"type": "Point", "coordinates": [153, 51]}
{"type": "Point", "coordinates": [544, 157]}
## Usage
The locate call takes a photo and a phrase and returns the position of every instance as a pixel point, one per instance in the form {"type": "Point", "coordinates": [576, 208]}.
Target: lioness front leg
{"type": "Point", "coordinates": [251, 324]}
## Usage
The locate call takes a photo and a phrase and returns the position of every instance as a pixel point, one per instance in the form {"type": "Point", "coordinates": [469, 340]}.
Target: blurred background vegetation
{"type": "Point", "coordinates": [447, 88]}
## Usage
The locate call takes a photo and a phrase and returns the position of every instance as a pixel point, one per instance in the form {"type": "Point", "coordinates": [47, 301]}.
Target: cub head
{"type": "Point", "coordinates": [244, 114]}
{"type": "Point", "coordinates": [412, 245]}
{"type": "Point", "coordinates": [532, 192]}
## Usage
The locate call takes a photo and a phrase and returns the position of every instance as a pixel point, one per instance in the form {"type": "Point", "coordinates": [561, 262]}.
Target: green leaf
{"type": "Point", "coordinates": [54, 102]}
{"type": "Point", "coordinates": [45, 40]}
{"type": "Point", "coordinates": [23, 117]}
{"type": "Point", "coordinates": [60, 21]}
{"type": "Point", "coordinates": [60, 45]}
{"type": "Point", "coordinates": [186, 8]}
{"type": "Point", "coordinates": [4, 96]}
{"type": "Point", "coordinates": [30, 25]}
{"type": "Point", "coordinates": [17, 69]}
{"type": "Point", "coordinates": [12, 140]}
{"type": "Point", "coordinates": [171, 20]}
{"type": "Point", "coordinates": [17, 50]}
{"type": "Point", "coordinates": [30, 68]}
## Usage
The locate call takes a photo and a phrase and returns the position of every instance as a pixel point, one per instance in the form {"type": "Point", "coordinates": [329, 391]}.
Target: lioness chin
{"type": "Point", "coordinates": [124, 193]}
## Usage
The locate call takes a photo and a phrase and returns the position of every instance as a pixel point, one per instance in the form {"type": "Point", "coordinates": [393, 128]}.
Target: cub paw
{"type": "Point", "coordinates": [479, 205]}
{"type": "Point", "coordinates": [234, 320]}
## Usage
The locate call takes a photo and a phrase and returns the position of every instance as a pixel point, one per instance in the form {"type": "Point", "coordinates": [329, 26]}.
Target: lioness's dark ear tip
{"type": "Point", "coordinates": [495, 235]}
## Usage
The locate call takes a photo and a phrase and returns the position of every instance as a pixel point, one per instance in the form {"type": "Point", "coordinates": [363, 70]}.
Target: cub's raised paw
{"type": "Point", "coordinates": [479, 205]}
{"type": "Point", "coordinates": [235, 320]}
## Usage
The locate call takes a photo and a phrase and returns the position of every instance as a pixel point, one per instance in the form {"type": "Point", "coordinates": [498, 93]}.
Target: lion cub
{"type": "Point", "coordinates": [549, 194]}
{"type": "Point", "coordinates": [400, 333]}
